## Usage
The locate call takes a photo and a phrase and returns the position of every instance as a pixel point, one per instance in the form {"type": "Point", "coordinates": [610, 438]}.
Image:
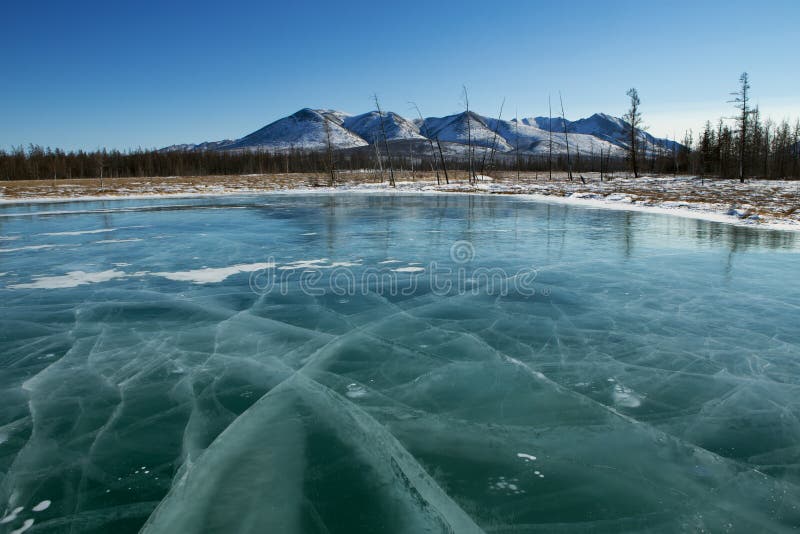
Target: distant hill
{"type": "Point", "coordinates": [306, 130]}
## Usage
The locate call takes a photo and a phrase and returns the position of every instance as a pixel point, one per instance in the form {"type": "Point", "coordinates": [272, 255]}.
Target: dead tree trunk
{"type": "Point", "coordinates": [425, 132]}
{"type": "Point", "coordinates": [469, 136]}
{"type": "Point", "coordinates": [444, 166]}
{"type": "Point", "coordinates": [329, 154]}
{"type": "Point", "coordinates": [494, 140]}
{"type": "Point", "coordinates": [566, 137]}
{"type": "Point", "coordinates": [385, 142]}
{"type": "Point", "coordinates": [550, 145]}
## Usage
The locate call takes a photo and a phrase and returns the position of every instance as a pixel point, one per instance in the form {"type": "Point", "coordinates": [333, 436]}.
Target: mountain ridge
{"type": "Point", "coordinates": [312, 129]}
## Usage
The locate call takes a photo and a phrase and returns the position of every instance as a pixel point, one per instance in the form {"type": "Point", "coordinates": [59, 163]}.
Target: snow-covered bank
{"type": "Point", "coordinates": [769, 204]}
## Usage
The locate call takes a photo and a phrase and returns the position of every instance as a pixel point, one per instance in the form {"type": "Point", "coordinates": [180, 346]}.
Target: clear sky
{"type": "Point", "coordinates": [128, 74]}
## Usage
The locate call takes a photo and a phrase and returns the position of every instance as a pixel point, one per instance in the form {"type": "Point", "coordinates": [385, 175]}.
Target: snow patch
{"type": "Point", "coordinates": [71, 279]}
{"type": "Point", "coordinates": [409, 269]}
{"type": "Point", "coordinates": [42, 506]}
{"type": "Point", "coordinates": [212, 275]}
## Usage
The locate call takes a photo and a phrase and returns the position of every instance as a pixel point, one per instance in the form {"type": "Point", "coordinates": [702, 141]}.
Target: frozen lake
{"type": "Point", "coordinates": [376, 363]}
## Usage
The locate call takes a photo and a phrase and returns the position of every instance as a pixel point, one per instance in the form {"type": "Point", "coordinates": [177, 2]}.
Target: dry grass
{"type": "Point", "coordinates": [775, 200]}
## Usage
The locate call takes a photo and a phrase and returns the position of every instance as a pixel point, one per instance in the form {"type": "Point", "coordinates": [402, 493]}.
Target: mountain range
{"type": "Point", "coordinates": [311, 129]}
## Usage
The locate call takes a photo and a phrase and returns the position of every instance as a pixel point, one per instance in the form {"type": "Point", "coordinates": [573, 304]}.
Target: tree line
{"type": "Point", "coordinates": [751, 147]}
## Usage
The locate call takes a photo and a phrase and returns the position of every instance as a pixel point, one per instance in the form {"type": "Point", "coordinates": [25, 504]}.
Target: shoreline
{"type": "Point", "coordinates": [640, 195]}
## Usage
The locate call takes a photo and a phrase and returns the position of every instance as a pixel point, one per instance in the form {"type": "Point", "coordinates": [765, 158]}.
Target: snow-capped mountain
{"type": "Point", "coordinates": [614, 130]}
{"type": "Point", "coordinates": [463, 127]}
{"type": "Point", "coordinates": [304, 130]}
{"type": "Point", "coordinates": [310, 129]}
{"type": "Point", "coordinates": [368, 126]}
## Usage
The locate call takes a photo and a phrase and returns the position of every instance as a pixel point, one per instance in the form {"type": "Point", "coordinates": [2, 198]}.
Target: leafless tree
{"type": "Point", "coordinates": [426, 133]}
{"type": "Point", "coordinates": [99, 161]}
{"type": "Point", "coordinates": [444, 166]}
{"type": "Point", "coordinates": [516, 139]}
{"type": "Point", "coordinates": [494, 140]}
{"type": "Point", "coordinates": [566, 136]}
{"type": "Point", "coordinates": [385, 141]}
{"type": "Point", "coordinates": [550, 143]}
{"type": "Point", "coordinates": [633, 118]}
{"type": "Point", "coordinates": [378, 159]}
{"type": "Point", "coordinates": [469, 135]}
{"type": "Point", "coordinates": [329, 152]}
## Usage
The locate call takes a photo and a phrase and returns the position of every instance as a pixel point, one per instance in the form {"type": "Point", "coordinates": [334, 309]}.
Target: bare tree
{"type": "Point", "coordinates": [444, 167]}
{"type": "Point", "coordinates": [741, 101]}
{"type": "Point", "coordinates": [426, 133]}
{"type": "Point", "coordinates": [100, 164]}
{"type": "Point", "coordinates": [378, 159]}
{"type": "Point", "coordinates": [633, 118]}
{"type": "Point", "coordinates": [329, 152]}
{"type": "Point", "coordinates": [566, 136]}
{"type": "Point", "coordinates": [516, 139]}
{"type": "Point", "coordinates": [494, 140]}
{"type": "Point", "coordinates": [385, 141]}
{"type": "Point", "coordinates": [469, 135]}
{"type": "Point", "coordinates": [550, 144]}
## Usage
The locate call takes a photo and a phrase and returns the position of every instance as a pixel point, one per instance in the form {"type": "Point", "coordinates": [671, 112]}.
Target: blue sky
{"type": "Point", "coordinates": [150, 74]}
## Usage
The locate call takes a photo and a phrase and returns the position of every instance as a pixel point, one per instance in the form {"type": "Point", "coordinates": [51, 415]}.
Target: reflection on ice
{"type": "Point", "coordinates": [651, 387]}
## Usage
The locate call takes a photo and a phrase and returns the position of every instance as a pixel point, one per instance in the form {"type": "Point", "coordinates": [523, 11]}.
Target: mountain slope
{"type": "Point", "coordinates": [306, 130]}
{"type": "Point", "coordinates": [368, 126]}
{"type": "Point", "coordinates": [303, 130]}
{"type": "Point", "coordinates": [464, 127]}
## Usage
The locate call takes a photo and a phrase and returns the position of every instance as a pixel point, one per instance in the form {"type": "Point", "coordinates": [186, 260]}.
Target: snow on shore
{"type": "Point", "coordinates": [773, 204]}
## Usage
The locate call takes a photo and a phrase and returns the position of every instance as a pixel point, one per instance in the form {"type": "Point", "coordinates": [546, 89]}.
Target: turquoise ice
{"type": "Point", "coordinates": [348, 363]}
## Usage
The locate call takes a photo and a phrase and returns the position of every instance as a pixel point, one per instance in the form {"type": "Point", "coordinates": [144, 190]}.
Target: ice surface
{"type": "Point", "coordinates": [648, 384]}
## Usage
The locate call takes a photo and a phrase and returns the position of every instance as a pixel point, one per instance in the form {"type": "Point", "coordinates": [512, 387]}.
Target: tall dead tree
{"type": "Point", "coordinates": [633, 118]}
{"type": "Point", "coordinates": [566, 136]}
{"type": "Point", "coordinates": [385, 141]}
{"type": "Point", "coordinates": [516, 139]}
{"type": "Point", "coordinates": [741, 101]}
{"type": "Point", "coordinates": [494, 140]}
{"type": "Point", "coordinates": [378, 158]}
{"type": "Point", "coordinates": [424, 128]}
{"type": "Point", "coordinates": [550, 143]}
{"type": "Point", "coordinates": [329, 152]}
{"type": "Point", "coordinates": [98, 159]}
{"type": "Point", "coordinates": [469, 136]}
{"type": "Point", "coordinates": [444, 166]}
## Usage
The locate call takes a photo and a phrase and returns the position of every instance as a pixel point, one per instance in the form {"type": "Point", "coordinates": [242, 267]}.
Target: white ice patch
{"type": "Point", "coordinates": [310, 233]}
{"type": "Point", "coordinates": [119, 240]}
{"type": "Point", "coordinates": [82, 232]}
{"type": "Point", "coordinates": [9, 237]}
{"type": "Point", "coordinates": [386, 262]}
{"type": "Point", "coordinates": [356, 391]}
{"type": "Point", "coordinates": [31, 247]}
{"type": "Point", "coordinates": [122, 264]}
{"type": "Point", "coordinates": [409, 270]}
{"type": "Point", "coordinates": [212, 275]}
{"type": "Point", "coordinates": [42, 506]}
{"type": "Point", "coordinates": [12, 516]}
{"type": "Point", "coordinates": [304, 264]}
{"type": "Point", "coordinates": [323, 263]}
{"type": "Point", "coordinates": [506, 485]}
{"type": "Point", "coordinates": [71, 279]}
{"type": "Point", "coordinates": [525, 456]}
{"type": "Point", "coordinates": [28, 523]}
{"type": "Point", "coordinates": [626, 397]}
